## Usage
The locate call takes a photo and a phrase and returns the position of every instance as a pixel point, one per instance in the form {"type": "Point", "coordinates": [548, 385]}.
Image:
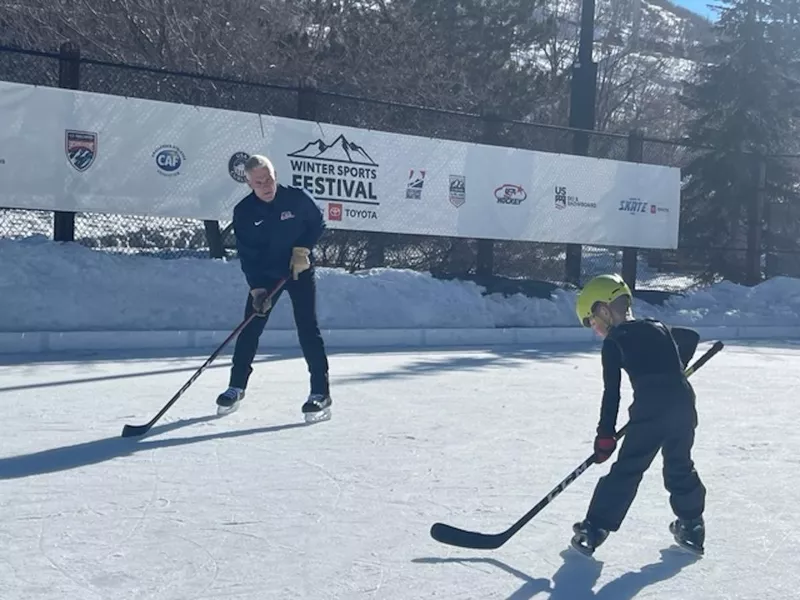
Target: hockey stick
{"type": "Point", "coordinates": [138, 430]}
{"type": "Point", "coordinates": [447, 534]}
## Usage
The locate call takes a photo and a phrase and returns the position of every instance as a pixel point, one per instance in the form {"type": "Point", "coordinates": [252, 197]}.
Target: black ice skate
{"type": "Point", "coordinates": [317, 408]}
{"type": "Point", "coordinates": [689, 534]}
{"type": "Point", "coordinates": [228, 401]}
{"type": "Point", "coordinates": [587, 537]}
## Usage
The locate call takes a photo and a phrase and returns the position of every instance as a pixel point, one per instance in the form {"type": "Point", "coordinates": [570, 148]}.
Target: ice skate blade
{"type": "Point", "coordinates": [583, 550]}
{"type": "Point", "coordinates": [226, 410]}
{"type": "Point", "coordinates": [319, 416]}
{"type": "Point", "coordinates": [687, 549]}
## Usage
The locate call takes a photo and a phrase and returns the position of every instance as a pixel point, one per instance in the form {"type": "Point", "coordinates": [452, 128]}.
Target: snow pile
{"type": "Point", "coordinates": [47, 286]}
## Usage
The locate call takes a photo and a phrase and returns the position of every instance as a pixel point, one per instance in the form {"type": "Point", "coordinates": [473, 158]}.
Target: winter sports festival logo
{"type": "Point", "coordinates": [341, 171]}
{"type": "Point", "coordinates": [81, 148]}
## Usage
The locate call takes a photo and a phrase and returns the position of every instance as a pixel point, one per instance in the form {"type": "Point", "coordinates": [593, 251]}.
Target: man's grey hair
{"type": "Point", "coordinates": [258, 161]}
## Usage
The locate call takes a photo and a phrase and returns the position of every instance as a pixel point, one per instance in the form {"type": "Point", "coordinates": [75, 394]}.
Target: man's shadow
{"type": "Point", "coordinates": [576, 578]}
{"type": "Point", "coordinates": [97, 451]}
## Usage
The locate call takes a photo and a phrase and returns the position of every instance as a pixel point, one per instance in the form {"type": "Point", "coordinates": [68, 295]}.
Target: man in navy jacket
{"type": "Point", "coordinates": [276, 228]}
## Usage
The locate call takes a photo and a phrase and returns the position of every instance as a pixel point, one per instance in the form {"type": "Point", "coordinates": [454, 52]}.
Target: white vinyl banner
{"type": "Point", "coordinates": [86, 152]}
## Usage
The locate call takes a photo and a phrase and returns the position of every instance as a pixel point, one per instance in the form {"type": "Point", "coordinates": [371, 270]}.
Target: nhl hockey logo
{"type": "Point", "coordinates": [81, 148]}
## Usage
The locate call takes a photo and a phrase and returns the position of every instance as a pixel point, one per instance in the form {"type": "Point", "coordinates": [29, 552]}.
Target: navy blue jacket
{"type": "Point", "coordinates": [266, 232]}
{"type": "Point", "coordinates": [655, 357]}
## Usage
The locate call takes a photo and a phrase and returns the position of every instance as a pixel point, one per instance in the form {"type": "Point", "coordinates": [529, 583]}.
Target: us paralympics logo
{"type": "Point", "coordinates": [80, 148]}
{"type": "Point", "coordinates": [169, 159]}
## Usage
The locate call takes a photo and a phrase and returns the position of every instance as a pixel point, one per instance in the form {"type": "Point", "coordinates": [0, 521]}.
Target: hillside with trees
{"type": "Point", "coordinates": [510, 57]}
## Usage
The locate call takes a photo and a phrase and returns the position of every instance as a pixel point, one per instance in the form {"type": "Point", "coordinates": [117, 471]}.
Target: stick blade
{"type": "Point", "coordinates": [134, 430]}
{"type": "Point", "coordinates": [453, 536]}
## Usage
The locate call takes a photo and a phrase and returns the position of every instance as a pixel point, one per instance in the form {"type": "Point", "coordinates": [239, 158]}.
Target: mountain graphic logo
{"type": "Point", "coordinates": [341, 150]}
{"type": "Point", "coordinates": [81, 148]}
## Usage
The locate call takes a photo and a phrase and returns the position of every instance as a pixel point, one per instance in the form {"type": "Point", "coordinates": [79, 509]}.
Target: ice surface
{"type": "Point", "coordinates": [47, 286]}
{"type": "Point", "coordinates": [259, 506]}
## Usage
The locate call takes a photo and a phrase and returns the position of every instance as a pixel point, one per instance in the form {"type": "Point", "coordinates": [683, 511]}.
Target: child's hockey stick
{"type": "Point", "coordinates": [447, 534]}
{"type": "Point", "coordinates": [138, 430]}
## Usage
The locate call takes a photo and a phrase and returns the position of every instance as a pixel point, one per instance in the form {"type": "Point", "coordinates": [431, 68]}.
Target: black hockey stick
{"type": "Point", "coordinates": [447, 534]}
{"type": "Point", "coordinates": [138, 430]}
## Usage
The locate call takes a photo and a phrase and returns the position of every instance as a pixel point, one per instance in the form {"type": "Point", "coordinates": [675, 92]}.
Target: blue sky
{"type": "Point", "coordinates": [698, 6]}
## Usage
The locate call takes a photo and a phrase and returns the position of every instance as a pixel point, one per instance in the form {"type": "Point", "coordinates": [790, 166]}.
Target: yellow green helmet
{"type": "Point", "coordinates": [603, 288]}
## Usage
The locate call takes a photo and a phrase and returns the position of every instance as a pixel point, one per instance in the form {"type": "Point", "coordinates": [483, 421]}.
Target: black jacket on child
{"type": "Point", "coordinates": [654, 357]}
{"type": "Point", "coordinates": [266, 232]}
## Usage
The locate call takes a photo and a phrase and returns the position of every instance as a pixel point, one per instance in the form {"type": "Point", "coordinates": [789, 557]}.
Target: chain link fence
{"type": "Point", "coordinates": [445, 257]}
{"type": "Point", "coordinates": [156, 236]}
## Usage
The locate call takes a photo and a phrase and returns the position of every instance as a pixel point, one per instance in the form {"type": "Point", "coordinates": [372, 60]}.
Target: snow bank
{"type": "Point", "coordinates": [48, 286]}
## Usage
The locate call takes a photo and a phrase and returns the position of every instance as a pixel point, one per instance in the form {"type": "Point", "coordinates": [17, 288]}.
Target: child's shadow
{"type": "Point", "coordinates": [578, 575]}
{"type": "Point", "coordinates": [576, 578]}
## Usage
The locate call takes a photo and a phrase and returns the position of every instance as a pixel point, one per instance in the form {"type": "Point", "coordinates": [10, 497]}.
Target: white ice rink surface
{"type": "Point", "coordinates": [256, 505]}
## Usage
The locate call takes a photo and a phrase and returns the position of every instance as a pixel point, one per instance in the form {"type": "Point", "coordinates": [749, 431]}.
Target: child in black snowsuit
{"type": "Point", "coordinates": [662, 416]}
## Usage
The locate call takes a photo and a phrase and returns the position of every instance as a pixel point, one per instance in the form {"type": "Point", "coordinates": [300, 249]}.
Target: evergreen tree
{"type": "Point", "coordinates": [488, 44]}
{"type": "Point", "coordinates": [745, 99]}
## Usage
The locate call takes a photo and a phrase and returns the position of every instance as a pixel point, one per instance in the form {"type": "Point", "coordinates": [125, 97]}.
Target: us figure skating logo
{"type": "Point", "coordinates": [80, 148]}
{"type": "Point", "coordinates": [633, 206]}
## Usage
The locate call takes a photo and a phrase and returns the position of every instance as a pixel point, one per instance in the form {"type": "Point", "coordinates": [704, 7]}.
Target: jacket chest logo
{"type": "Point", "coordinates": [287, 214]}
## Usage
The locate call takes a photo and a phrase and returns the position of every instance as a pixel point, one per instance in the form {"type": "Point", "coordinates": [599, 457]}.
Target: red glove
{"type": "Point", "coordinates": [604, 447]}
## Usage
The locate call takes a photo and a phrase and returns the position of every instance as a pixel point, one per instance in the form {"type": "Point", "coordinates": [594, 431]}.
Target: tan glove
{"type": "Point", "coordinates": [261, 301]}
{"type": "Point", "coordinates": [299, 261]}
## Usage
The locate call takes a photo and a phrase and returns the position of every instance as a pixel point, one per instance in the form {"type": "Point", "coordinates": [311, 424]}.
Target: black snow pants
{"type": "Point", "coordinates": [660, 420]}
{"type": "Point", "coordinates": [302, 293]}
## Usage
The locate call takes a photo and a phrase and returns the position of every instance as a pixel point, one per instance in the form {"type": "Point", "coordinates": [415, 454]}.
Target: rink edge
{"type": "Point", "coordinates": [65, 341]}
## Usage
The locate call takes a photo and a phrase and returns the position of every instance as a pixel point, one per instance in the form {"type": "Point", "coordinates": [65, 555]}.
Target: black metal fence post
{"type": "Point", "coordinates": [69, 77]}
{"type": "Point", "coordinates": [769, 240]}
{"type": "Point", "coordinates": [307, 100]}
{"type": "Point", "coordinates": [583, 94]}
{"type": "Point", "coordinates": [216, 247]}
{"type": "Point", "coordinates": [484, 264]}
{"type": "Point", "coordinates": [754, 221]}
{"type": "Point", "coordinates": [630, 255]}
